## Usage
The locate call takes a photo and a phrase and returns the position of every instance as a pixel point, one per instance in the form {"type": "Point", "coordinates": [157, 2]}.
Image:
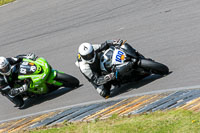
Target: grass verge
{"type": "Point", "coordinates": [174, 121]}
{"type": "Point", "coordinates": [2, 2]}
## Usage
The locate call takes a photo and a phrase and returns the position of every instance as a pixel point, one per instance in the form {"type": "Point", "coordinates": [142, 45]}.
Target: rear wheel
{"type": "Point", "coordinates": [67, 80]}
{"type": "Point", "coordinates": [154, 67]}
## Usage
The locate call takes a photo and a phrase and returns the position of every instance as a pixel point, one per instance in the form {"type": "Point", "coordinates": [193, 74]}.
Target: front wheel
{"type": "Point", "coordinates": [154, 67]}
{"type": "Point", "coordinates": [67, 80]}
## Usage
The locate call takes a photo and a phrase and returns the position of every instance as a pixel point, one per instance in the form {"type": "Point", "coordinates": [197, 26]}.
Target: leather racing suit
{"type": "Point", "coordinates": [93, 72]}
{"type": "Point", "coordinates": [7, 83]}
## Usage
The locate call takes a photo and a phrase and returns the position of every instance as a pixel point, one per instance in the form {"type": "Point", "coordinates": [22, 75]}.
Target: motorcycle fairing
{"type": "Point", "coordinates": [129, 50]}
{"type": "Point", "coordinates": [27, 68]}
{"type": "Point", "coordinates": [51, 77]}
{"type": "Point", "coordinates": [111, 57]}
{"type": "Point", "coordinates": [118, 57]}
{"type": "Point", "coordinates": [37, 84]}
{"type": "Point", "coordinates": [40, 77]}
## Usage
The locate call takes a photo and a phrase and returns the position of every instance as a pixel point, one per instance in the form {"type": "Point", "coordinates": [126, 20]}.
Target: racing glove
{"type": "Point", "coordinates": [17, 91]}
{"type": "Point", "coordinates": [31, 56]}
{"type": "Point", "coordinates": [119, 42]}
{"type": "Point", "coordinates": [109, 77]}
{"type": "Point", "coordinates": [102, 79]}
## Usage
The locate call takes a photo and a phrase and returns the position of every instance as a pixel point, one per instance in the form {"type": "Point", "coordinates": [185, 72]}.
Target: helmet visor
{"type": "Point", "coordinates": [89, 56]}
{"type": "Point", "coordinates": [5, 69]}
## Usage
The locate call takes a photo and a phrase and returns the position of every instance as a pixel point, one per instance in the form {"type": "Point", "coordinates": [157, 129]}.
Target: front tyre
{"type": "Point", "coordinates": [154, 67]}
{"type": "Point", "coordinates": [67, 80]}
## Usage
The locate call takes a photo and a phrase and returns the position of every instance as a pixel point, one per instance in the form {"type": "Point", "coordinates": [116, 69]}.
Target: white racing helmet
{"type": "Point", "coordinates": [5, 68]}
{"type": "Point", "coordinates": [87, 53]}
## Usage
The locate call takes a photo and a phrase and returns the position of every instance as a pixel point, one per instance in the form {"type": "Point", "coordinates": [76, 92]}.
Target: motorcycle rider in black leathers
{"type": "Point", "coordinates": [9, 68]}
{"type": "Point", "coordinates": [88, 61]}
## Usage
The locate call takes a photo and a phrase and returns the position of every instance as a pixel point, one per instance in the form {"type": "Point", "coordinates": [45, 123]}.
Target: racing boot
{"type": "Point", "coordinates": [17, 100]}
{"type": "Point", "coordinates": [104, 91]}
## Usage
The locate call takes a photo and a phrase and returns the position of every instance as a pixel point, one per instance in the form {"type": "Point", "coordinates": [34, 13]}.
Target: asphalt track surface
{"type": "Point", "coordinates": [167, 31]}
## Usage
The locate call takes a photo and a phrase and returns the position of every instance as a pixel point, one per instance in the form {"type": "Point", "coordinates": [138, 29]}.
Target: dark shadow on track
{"type": "Point", "coordinates": [47, 97]}
{"type": "Point", "coordinates": [134, 85]}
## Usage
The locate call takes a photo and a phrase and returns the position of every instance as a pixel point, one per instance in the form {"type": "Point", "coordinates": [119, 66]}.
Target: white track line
{"type": "Point", "coordinates": [103, 100]}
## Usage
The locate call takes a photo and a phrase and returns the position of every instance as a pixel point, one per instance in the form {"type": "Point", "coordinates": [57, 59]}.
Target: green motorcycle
{"type": "Point", "coordinates": [42, 78]}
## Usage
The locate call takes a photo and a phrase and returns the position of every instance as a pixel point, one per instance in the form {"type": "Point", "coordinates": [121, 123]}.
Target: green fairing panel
{"type": "Point", "coordinates": [51, 77]}
{"type": "Point", "coordinates": [38, 84]}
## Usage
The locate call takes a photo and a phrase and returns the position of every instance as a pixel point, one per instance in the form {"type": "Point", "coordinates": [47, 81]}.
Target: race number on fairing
{"type": "Point", "coordinates": [118, 56]}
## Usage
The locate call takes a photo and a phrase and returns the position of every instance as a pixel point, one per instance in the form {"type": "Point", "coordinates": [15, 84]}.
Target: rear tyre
{"type": "Point", "coordinates": [67, 80]}
{"type": "Point", "coordinates": [154, 67]}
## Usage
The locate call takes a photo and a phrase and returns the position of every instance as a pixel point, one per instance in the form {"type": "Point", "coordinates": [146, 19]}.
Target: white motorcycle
{"type": "Point", "coordinates": [118, 60]}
